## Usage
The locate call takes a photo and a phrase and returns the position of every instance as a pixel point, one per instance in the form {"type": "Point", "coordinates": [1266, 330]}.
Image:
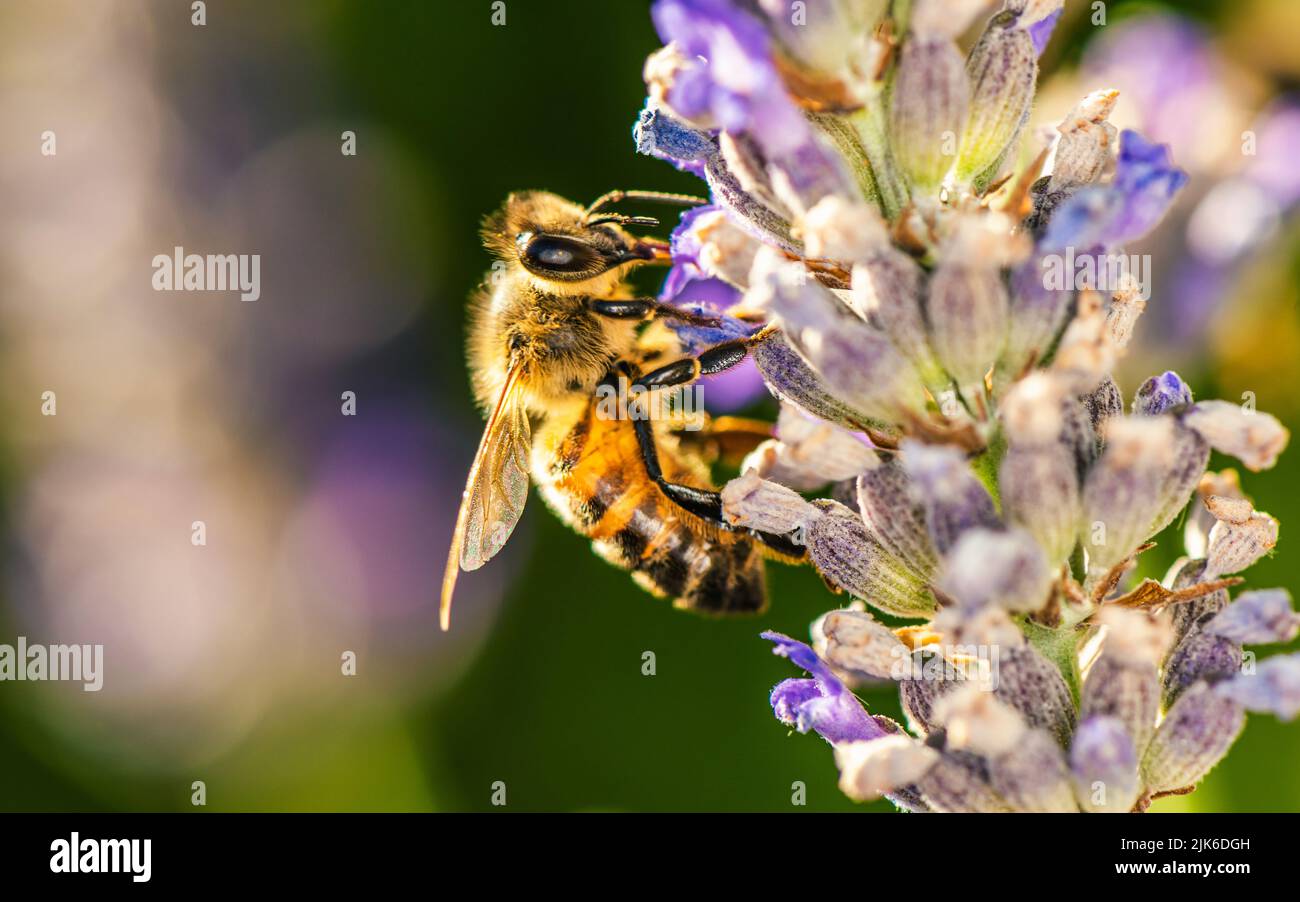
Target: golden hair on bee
{"type": "Point", "coordinates": [553, 257]}
{"type": "Point", "coordinates": [554, 322]}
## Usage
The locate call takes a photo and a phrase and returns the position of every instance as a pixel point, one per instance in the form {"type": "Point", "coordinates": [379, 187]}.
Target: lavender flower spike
{"type": "Point", "coordinates": [894, 259]}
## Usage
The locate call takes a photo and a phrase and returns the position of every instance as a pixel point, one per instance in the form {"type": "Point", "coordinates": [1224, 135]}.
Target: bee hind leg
{"type": "Point", "coordinates": [704, 503]}
{"type": "Point", "coordinates": [729, 439]}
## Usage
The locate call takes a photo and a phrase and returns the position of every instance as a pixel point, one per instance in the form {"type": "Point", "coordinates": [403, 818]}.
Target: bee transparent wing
{"type": "Point", "coordinates": [495, 492]}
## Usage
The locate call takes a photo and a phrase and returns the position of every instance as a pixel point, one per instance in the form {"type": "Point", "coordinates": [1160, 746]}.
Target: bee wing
{"type": "Point", "coordinates": [495, 492]}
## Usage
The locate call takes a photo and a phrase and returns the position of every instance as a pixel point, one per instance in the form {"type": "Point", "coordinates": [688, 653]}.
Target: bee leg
{"type": "Point", "coordinates": [649, 308]}
{"type": "Point", "coordinates": [685, 371]}
{"type": "Point", "coordinates": [728, 438]}
{"type": "Point", "coordinates": [703, 503]}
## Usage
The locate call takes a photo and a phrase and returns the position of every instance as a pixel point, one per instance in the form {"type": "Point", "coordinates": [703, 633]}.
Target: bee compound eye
{"type": "Point", "coordinates": [558, 254]}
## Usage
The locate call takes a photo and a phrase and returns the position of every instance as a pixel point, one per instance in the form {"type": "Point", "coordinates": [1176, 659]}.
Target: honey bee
{"type": "Point", "coordinates": [557, 323]}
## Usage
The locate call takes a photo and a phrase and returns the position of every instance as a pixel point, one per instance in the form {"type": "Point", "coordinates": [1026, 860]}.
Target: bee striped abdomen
{"type": "Point", "coordinates": [596, 480]}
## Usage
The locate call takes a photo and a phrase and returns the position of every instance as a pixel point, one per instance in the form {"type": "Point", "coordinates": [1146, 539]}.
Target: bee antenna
{"type": "Point", "coordinates": [654, 197]}
{"type": "Point", "coordinates": [623, 220]}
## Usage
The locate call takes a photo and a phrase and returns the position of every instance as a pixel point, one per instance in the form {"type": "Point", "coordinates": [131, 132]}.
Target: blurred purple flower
{"type": "Point", "coordinates": [1165, 66]}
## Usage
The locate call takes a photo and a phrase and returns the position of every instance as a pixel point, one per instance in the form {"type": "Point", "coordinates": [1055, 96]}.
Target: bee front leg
{"type": "Point", "coordinates": [648, 309]}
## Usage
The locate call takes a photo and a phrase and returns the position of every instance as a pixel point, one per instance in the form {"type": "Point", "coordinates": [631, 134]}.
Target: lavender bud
{"type": "Point", "coordinates": [1195, 734]}
{"type": "Point", "coordinates": [792, 380]}
{"type": "Point", "coordinates": [1274, 687]}
{"type": "Point", "coordinates": [810, 453]}
{"type": "Point", "coordinates": [848, 558]}
{"type": "Point", "coordinates": [857, 362]}
{"type": "Point", "coordinates": [1257, 618]}
{"type": "Point", "coordinates": [930, 95]}
{"type": "Point", "coordinates": [888, 288]}
{"type": "Point", "coordinates": [740, 182]}
{"type": "Point", "coordinates": [930, 676]}
{"type": "Point", "coordinates": [1005, 568]}
{"type": "Point", "coordinates": [1038, 314]}
{"type": "Point", "coordinates": [1032, 685]}
{"type": "Point", "coordinates": [954, 500]}
{"type": "Point", "coordinates": [1127, 483]}
{"type": "Point", "coordinates": [1160, 394]}
{"type": "Point", "coordinates": [754, 503]}
{"type": "Point", "coordinates": [1191, 454]}
{"type": "Point", "coordinates": [1185, 614]}
{"type": "Point", "coordinates": [1199, 656]}
{"type": "Point", "coordinates": [1003, 67]}
{"type": "Point", "coordinates": [968, 311]}
{"type": "Point", "coordinates": [1125, 688]}
{"type": "Point", "coordinates": [1239, 538]}
{"type": "Point", "coordinates": [958, 782]}
{"type": "Point", "coordinates": [1032, 776]}
{"type": "Point", "coordinates": [1040, 494]}
{"type": "Point", "coordinates": [1102, 404]}
{"type": "Point", "coordinates": [1196, 534]}
{"type": "Point", "coordinates": [1038, 476]}
{"type": "Point", "coordinates": [1254, 438]}
{"type": "Point", "coordinates": [659, 133]}
{"type": "Point", "coordinates": [859, 645]}
{"type": "Point", "coordinates": [1033, 410]}
{"type": "Point", "coordinates": [895, 517]}
{"type": "Point", "coordinates": [1104, 765]}
{"type": "Point", "coordinates": [1086, 147]}
{"type": "Point", "coordinates": [871, 769]}
{"type": "Point", "coordinates": [745, 162]}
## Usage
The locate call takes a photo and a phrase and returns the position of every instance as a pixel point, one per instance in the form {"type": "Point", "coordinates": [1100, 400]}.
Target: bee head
{"type": "Point", "coordinates": [556, 240]}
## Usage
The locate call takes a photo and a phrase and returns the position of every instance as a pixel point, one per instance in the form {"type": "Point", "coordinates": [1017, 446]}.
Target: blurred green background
{"type": "Point", "coordinates": [540, 683]}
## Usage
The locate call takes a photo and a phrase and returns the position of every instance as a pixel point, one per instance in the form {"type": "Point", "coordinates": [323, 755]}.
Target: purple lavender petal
{"type": "Point", "coordinates": [1148, 180]}
{"type": "Point", "coordinates": [1041, 31]}
{"type": "Point", "coordinates": [696, 337]}
{"type": "Point", "coordinates": [742, 384]}
{"type": "Point", "coordinates": [1274, 687]}
{"type": "Point", "coordinates": [1124, 210]}
{"type": "Point", "coordinates": [738, 85]}
{"type": "Point", "coordinates": [684, 245]}
{"type": "Point", "coordinates": [1161, 393]}
{"type": "Point", "coordinates": [1257, 618]}
{"type": "Point", "coordinates": [823, 703]}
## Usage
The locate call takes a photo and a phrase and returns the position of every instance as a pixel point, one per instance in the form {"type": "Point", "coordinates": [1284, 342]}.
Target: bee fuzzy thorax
{"type": "Point", "coordinates": [563, 348]}
{"type": "Point", "coordinates": [553, 259]}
